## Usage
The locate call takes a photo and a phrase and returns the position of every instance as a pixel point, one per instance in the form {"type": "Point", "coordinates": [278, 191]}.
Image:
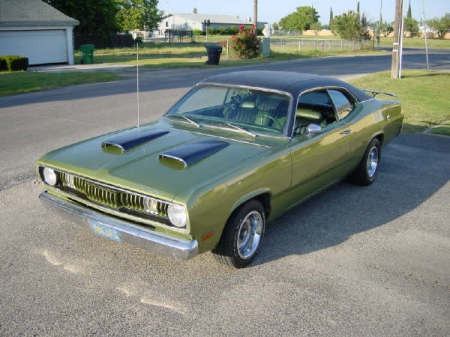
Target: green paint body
{"type": "Point", "coordinates": [282, 171]}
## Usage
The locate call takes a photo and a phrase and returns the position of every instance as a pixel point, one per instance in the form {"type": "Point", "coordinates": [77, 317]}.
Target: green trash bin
{"type": "Point", "coordinates": [87, 51]}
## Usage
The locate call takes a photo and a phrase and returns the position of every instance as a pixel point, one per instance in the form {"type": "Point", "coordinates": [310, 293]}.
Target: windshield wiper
{"type": "Point", "coordinates": [230, 126]}
{"type": "Point", "coordinates": [187, 119]}
{"type": "Point", "coordinates": [241, 129]}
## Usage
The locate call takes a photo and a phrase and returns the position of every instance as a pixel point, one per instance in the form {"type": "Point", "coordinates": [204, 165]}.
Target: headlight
{"type": "Point", "coordinates": [177, 215]}
{"type": "Point", "coordinates": [49, 176]}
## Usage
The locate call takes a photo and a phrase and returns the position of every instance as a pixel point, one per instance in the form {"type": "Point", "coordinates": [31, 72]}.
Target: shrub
{"type": "Point", "coordinates": [3, 65]}
{"type": "Point", "coordinates": [246, 43]}
{"type": "Point", "coordinates": [197, 32]}
{"type": "Point", "coordinates": [13, 63]}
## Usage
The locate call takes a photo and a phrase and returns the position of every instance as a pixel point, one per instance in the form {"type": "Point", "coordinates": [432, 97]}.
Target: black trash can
{"type": "Point", "coordinates": [213, 51]}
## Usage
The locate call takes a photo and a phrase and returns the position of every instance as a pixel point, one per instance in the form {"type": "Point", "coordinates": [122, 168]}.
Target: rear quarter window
{"type": "Point", "coordinates": [344, 105]}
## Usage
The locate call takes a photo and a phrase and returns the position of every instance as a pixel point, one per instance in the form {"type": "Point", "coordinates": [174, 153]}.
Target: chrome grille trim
{"type": "Point", "coordinates": [110, 196]}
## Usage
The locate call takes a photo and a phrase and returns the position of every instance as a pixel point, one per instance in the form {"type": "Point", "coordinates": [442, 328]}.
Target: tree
{"type": "Point", "coordinates": [364, 34]}
{"type": "Point", "coordinates": [195, 11]}
{"type": "Point", "coordinates": [139, 14]}
{"type": "Point", "coordinates": [441, 26]}
{"type": "Point", "coordinates": [301, 19]}
{"type": "Point", "coordinates": [411, 26]}
{"type": "Point", "coordinates": [409, 14]}
{"type": "Point", "coordinates": [347, 25]}
{"type": "Point", "coordinates": [316, 27]}
{"type": "Point", "coordinates": [331, 15]}
{"type": "Point", "coordinates": [97, 18]}
{"type": "Point", "coordinates": [386, 29]}
{"type": "Point", "coordinates": [357, 11]}
{"type": "Point", "coordinates": [364, 22]}
{"type": "Point", "coordinates": [275, 26]}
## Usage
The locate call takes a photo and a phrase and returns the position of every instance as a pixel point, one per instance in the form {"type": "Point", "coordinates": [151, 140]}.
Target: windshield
{"type": "Point", "coordinates": [249, 109]}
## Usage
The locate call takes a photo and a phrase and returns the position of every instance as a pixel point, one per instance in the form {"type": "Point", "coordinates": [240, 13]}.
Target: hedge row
{"type": "Point", "coordinates": [119, 40]}
{"type": "Point", "coordinates": [13, 63]}
{"type": "Point", "coordinates": [223, 31]}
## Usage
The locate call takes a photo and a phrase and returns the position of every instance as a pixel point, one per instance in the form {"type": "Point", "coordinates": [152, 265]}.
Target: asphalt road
{"type": "Point", "coordinates": [351, 261]}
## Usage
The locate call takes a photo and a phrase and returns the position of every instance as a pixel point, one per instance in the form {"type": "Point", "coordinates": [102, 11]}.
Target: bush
{"type": "Point", "coordinates": [119, 40]}
{"type": "Point", "coordinates": [3, 65]}
{"type": "Point", "coordinates": [197, 32]}
{"type": "Point", "coordinates": [246, 43]}
{"type": "Point", "coordinates": [13, 63]}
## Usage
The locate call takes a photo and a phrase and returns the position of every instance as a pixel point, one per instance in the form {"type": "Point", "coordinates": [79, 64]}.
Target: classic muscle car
{"type": "Point", "coordinates": [235, 152]}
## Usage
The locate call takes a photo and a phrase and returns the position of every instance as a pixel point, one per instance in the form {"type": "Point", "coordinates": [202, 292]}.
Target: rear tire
{"type": "Point", "coordinates": [366, 172]}
{"type": "Point", "coordinates": [243, 235]}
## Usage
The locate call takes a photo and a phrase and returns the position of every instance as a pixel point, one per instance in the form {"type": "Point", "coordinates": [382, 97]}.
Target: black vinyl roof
{"type": "Point", "coordinates": [291, 82]}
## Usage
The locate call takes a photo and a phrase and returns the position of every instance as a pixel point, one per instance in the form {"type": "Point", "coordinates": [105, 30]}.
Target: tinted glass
{"type": "Point", "coordinates": [342, 103]}
{"type": "Point", "coordinates": [253, 109]}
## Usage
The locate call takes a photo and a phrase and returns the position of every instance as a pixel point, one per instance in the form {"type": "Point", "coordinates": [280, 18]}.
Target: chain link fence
{"type": "Point", "coordinates": [320, 44]}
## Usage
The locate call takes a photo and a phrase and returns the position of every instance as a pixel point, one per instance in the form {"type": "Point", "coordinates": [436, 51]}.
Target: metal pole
{"type": "Point", "coordinates": [397, 36]}
{"type": "Point", "coordinates": [137, 84]}
{"type": "Point", "coordinates": [255, 14]}
{"type": "Point", "coordinates": [380, 23]}
{"type": "Point", "coordinates": [425, 35]}
{"type": "Point", "coordinates": [401, 46]}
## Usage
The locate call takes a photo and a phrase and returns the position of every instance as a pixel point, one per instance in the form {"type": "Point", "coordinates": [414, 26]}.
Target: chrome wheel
{"type": "Point", "coordinates": [249, 234]}
{"type": "Point", "coordinates": [372, 161]}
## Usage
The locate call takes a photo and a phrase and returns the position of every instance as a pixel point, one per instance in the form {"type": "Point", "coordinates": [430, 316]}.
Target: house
{"type": "Point", "coordinates": [193, 21]}
{"type": "Point", "coordinates": [36, 30]}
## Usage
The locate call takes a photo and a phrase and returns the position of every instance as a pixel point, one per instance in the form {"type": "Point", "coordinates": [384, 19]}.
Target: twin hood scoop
{"type": "Point", "coordinates": [180, 156]}
{"type": "Point", "coordinates": [128, 140]}
{"type": "Point", "coordinates": [189, 154]}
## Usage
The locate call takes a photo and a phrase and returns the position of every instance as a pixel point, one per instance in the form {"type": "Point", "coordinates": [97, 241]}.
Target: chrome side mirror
{"type": "Point", "coordinates": [313, 129]}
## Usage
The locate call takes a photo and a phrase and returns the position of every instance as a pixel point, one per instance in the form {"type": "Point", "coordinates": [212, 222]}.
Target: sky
{"type": "Point", "coordinates": [273, 10]}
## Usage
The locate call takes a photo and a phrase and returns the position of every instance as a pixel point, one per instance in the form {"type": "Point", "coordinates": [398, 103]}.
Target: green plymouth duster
{"type": "Point", "coordinates": [238, 150]}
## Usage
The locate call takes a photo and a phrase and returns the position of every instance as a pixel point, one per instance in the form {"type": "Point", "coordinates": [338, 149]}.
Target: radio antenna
{"type": "Point", "coordinates": [135, 37]}
{"type": "Point", "coordinates": [137, 84]}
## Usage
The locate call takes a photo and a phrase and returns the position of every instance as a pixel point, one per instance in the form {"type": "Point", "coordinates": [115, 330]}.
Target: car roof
{"type": "Point", "coordinates": [291, 82]}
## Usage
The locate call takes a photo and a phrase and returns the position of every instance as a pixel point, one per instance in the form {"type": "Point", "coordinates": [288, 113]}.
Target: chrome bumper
{"type": "Point", "coordinates": [129, 232]}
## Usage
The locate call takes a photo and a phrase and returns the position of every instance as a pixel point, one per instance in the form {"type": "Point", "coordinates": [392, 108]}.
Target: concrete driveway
{"type": "Point", "coordinates": [352, 261]}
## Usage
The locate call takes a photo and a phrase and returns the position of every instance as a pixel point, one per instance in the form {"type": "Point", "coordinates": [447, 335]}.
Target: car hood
{"type": "Point", "coordinates": [147, 159]}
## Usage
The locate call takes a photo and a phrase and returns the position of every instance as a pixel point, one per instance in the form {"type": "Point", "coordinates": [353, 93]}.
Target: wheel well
{"type": "Point", "coordinates": [263, 198]}
{"type": "Point", "coordinates": [380, 137]}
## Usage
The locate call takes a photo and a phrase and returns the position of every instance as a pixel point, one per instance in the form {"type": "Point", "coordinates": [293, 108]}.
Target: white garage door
{"type": "Point", "coordinates": [40, 46]}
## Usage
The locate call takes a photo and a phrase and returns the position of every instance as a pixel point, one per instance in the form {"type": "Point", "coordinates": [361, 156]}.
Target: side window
{"type": "Point", "coordinates": [343, 105]}
{"type": "Point", "coordinates": [314, 107]}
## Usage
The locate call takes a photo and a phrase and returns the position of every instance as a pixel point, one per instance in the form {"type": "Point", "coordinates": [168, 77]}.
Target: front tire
{"type": "Point", "coordinates": [366, 172]}
{"type": "Point", "coordinates": [242, 236]}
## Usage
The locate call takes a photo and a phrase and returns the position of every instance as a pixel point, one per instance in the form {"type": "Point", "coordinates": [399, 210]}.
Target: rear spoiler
{"type": "Point", "coordinates": [374, 92]}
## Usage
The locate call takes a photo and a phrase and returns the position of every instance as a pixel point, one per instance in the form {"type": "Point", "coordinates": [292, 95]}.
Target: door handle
{"type": "Point", "coordinates": [346, 132]}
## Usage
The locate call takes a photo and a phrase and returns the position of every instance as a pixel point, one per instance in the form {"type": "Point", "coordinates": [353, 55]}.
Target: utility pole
{"type": "Point", "coordinates": [380, 24]}
{"type": "Point", "coordinates": [255, 14]}
{"type": "Point", "coordinates": [424, 24]}
{"type": "Point", "coordinates": [398, 40]}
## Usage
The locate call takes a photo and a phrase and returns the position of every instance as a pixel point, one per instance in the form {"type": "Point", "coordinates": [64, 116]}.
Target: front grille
{"type": "Point", "coordinates": [112, 197]}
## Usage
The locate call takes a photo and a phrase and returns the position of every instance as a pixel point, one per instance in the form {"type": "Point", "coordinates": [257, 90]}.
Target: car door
{"type": "Point", "coordinates": [347, 111]}
{"type": "Point", "coordinates": [318, 159]}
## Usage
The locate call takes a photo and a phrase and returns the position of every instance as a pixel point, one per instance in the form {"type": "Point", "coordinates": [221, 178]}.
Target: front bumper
{"type": "Point", "coordinates": [129, 232]}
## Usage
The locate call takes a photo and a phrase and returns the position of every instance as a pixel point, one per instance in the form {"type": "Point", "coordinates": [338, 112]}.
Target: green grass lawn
{"type": "Point", "coordinates": [176, 55]}
{"type": "Point", "coordinates": [424, 97]}
{"type": "Point", "coordinates": [19, 82]}
{"type": "Point", "coordinates": [408, 42]}
{"type": "Point", "coordinates": [416, 42]}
